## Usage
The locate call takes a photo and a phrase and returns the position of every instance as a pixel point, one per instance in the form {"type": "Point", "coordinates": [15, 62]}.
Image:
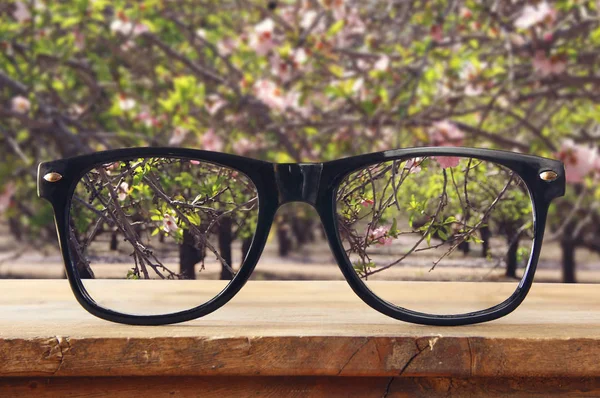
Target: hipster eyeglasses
{"type": "Point", "coordinates": [178, 232]}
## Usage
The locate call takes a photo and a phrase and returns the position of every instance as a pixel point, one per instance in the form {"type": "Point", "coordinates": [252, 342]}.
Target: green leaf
{"type": "Point", "coordinates": [383, 94]}
{"type": "Point", "coordinates": [194, 219]}
{"type": "Point", "coordinates": [450, 220]}
{"type": "Point", "coordinates": [335, 28]}
{"type": "Point", "coordinates": [443, 235]}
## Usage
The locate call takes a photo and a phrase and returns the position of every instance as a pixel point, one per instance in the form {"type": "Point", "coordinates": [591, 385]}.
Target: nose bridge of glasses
{"type": "Point", "coordinates": [298, 182]}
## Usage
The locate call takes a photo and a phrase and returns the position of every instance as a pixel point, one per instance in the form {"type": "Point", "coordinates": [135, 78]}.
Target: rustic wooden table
{"type": "Point", "coordinates": [296, 339]}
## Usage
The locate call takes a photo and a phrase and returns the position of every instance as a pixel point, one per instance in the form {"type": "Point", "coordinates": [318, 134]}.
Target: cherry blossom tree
{"type": "Point", "coordinates": [303, 80]}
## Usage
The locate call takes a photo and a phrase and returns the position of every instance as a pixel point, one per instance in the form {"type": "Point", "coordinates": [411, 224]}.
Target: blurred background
{"type": "Point", "coordinates": [291, 81]}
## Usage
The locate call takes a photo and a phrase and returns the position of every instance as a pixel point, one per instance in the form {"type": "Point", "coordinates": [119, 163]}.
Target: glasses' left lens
{"type": "Point", "coordinates": [168, 234]}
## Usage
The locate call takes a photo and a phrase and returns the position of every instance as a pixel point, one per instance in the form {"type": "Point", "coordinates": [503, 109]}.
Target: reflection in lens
{"type": "Point", "coordinates": [437, 219]}
{"type": "Point", "coordinates": [157, 230]}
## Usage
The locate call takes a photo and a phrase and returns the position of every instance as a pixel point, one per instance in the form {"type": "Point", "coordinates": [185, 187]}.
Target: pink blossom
{"type": "Point", "coordinates": [516, 39]}
{"type": "Point", "coordinates": [299, 57]}
{"type": "Point", "coordinates": [214, 103]}
{"type": "Point", "coordinates": [281, 68]}
{"type": "Point", "coordinates": [76, 110]}
{"type": "Point", "coordinates": [261, 39]}
{"type": "Point", "coordinates": [244, 145]}
{"type": "Point", "coordinates": [447, 161]}
{"type": "Point", "coordinates": [201, 33]}
{"type": "Point", "coordinates": [354, 23]}
{"type": "Point", "coordinates": [336, 6]}
{"type": "Point", "coordinates": [292, 101]}
{"type": "Point", "coordinates": [112, 166]}
{"type": "Point", "coordinates": [363, 65]}
{"type": "Point", "coordinates": [471, 73]}
{"type": "Point", "coordinates": [169, 223]}
{"type": "Point", "coordinates": [21, 12]}
{"type": "Point", "coordinates": [6, 196]}
{"type": "Point", "coordinates": [579, 160]}
{"type": "Point", "coordinates": [123, 191]}
{"type": "Point", "coordinates": [380, 236]}
{"type": "Point", "coordinates": [502, 102]}
{"type": "Point", "coordinates": [382, 64]}
{"type": "Point", "coordinates": [20, 104]}
{"type": "Point", "coordinates": [269, 93]}
{"type": "Point", "coordinates": [195, 162]}
{"type": "Point", "coordinates": [548, 66]}
{"type": "Point", "coordinates": [178, 135]}
{"type": "Point", "coordinates": [123, 26]}
{"type": "Point", "coordinates": [285, 68]}
{"type": "Point", "coordinates": [534, 15]}
{"type": "Point", "coordinates": [126, 103]}
{"type": "Point", "coordinates": [367, 202]}
{"type": "Point", "coordinates": [146, 117]}
{"type": "Point", "coordinates": [473, 90]}
{"type": "Point", "coordinates": [413, 165]}
{"type": "Point", "coordinates": [437, 33]}
{"type": "Point", "coordinates": [445, 133]}
{"type": "Point", "coordinates": [226, 46]}
{"type": "Point", "coordinates": [211, 142]}
{"type": "Point", "coordinates": [127, 45]}
{"type": "Point", "coordinates": [140, 28]}
{"type": "Point", "coordinates": [288, 14]}
{"type": "Point", "coordinates": [465, 13]}
{"type": "Point", "coordinates": [309, 18]}
{"type": "Point", "coordinates": [358, 88]}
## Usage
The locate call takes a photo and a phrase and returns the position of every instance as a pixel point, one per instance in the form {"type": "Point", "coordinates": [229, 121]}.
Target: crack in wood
{"type": "Point", "coordinates": [388, 387]}
{"type": "Point", "coordinates": [411, 359]}
{"type": "Point", "coordinates": [59, 341]}
{"type": "Point", "coordinates": [58, 347]}
{"type": "Point", "coordinates": [354, 354]}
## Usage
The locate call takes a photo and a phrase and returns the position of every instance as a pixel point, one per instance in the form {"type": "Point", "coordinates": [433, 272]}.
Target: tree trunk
{"type": "Point", "coordinates": [299, 227]}
{"type": "Point", "coordinates": [285, 243]}
{"type": "Point", "coordinates": [114, 242]}
{"type": "Point", "coordinates": [15, 228]}
{"type": "Point", "coordinates": [511, 257]}
{"type": "Point", "coordinates": [486, 234]}
{"type": "Point", "coordinates": [225, 240]}
{"type": "Point", "coordinates": [189, 256]}
{"type": "Point", "coordinates": [464, 247]}
{"type": "Point", "coordinates": [568, 246]}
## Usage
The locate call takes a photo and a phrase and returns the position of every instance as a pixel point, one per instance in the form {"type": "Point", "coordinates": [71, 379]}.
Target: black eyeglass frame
{"type": "Point", "coordinates": [312, 183]}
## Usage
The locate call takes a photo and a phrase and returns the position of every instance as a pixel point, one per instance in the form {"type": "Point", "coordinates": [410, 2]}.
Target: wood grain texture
{"type": "Point", "coordinates": [307, 386]}
{"type": "Point", "coordinates": [298, 329]}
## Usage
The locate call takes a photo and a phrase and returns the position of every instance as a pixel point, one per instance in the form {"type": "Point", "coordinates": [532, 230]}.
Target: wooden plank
{"type": "Point", "coordinates": [298, 329]}
{"type": "Point", "coordinates": [313, 387]}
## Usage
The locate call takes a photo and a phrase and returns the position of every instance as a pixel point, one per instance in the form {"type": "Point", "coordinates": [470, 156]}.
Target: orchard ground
{"type": "Point", "coordinates": [313, 261]}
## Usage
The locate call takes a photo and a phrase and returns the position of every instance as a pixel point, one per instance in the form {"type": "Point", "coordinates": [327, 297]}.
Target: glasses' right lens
{"type": "Point", "coordinates": [433, 220]}
{"type": "Point", "coordinates": [160, 231]}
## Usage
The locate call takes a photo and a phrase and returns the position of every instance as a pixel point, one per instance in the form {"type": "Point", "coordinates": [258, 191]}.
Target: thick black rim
{"type": "Point", "coordinates": [315, 184]}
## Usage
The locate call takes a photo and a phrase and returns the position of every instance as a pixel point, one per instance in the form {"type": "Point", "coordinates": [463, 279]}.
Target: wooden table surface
{"type": "Point", "coordinates": [299, 329]}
